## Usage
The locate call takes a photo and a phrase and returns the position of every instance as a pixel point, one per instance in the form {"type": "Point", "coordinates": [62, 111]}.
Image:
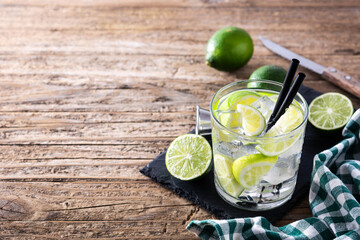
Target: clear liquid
{"type": "Point", "coordinates": [274, 188]}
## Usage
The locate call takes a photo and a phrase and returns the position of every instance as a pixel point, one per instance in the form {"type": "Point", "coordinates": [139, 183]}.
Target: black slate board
{"type": "Point", "coordinates": [203, 193]}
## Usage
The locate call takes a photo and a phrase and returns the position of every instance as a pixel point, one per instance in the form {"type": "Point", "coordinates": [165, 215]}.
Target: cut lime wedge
{"type": "Point", "coordinates": [188, 157]}
{"type": "Point", "coordinates": [253, 122]}
{"type": "Point", "coordinates": [248, 170]}
{"type": "Point", "coordinates": [223, 169]}
{"type": "Point", "coordinates": [290, 120]}
{"type": "Point", "coordinates": [330, 111]}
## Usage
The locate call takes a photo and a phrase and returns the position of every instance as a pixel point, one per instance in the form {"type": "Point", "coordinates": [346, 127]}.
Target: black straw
{"type": "Point", "coordinates": [288, 99]}
{"type": "Point", "coordinates": [285, 87]}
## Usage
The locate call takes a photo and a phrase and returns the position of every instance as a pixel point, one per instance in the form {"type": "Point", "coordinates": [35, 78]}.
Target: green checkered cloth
{"type": "Point", "coordinates": [335, 183]}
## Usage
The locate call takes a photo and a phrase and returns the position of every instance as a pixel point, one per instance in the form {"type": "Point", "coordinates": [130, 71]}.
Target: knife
{"type": "Point", "coordinates": [341, 79]}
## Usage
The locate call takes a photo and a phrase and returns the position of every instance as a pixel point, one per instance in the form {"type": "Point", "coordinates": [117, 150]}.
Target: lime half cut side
{"type": "Point", "coordinates": [223, 169]}
{"type": "Point", "coordinates": [248, 170]}
{"type": "Point", "coordinates": [330, 111]}
{"type": "Point", "coordinates": [272, 146]}
{"type": "Point", "coordinates": [188, 157]}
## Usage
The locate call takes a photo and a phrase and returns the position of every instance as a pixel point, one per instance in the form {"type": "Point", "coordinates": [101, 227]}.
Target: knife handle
{"type": "Point", "coordinates": [343, 80]}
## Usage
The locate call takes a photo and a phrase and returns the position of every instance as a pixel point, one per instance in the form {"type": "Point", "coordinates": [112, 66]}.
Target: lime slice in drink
{"type": "Point", "coordinates": [330, 111]}
{"type": "Point", "coordinates": [274, 97]}
{"type": "Point", "coordinates": [253, 122]}
{"type": "Point", "coordinates": [188, 157]}
{"type": "Point", "coordinates": [239, 97]}
{"type": "Point", "coordinates": [230, 119]}
{"type": "Point", "coordinates": [227, 110]}
{"type": "Point", "coordinates": [223, 169]}
{"type": "Point", "coordinates": [248, 170]}
{"type": "Point", "coordinates": [290, 120]}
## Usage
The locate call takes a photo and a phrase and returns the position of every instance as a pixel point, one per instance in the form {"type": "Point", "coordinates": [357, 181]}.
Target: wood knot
{"type": "Point", "coordinates": [12, 209]}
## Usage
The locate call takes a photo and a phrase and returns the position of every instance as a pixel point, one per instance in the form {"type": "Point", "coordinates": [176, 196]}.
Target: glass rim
{"type": "Point", "coordinates": [252, 138]}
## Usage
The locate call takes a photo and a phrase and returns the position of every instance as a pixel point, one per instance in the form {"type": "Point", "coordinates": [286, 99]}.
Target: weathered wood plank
{"type": "Point", "coordinates": [184, 3]}
{"type": "Point", "coordinates": [118, 70]}
{"type": "Point", "coordinates": [170, 31]}
{"type": "Point", "coordinates": [125, 149]}
{"type": "Point", "coordinates": [170, 96]}
{"type": "Point", "coordinates": [74, 170]}
{"type": "Point", "coordinates": [98, 201]}
{"type": "Point", "coordinates": [93, 230]}
{"type": "Point", "coordinates": [71, 133]}
{"type": "Point", "coordinates": [160, 42]}
{"type": "Point", "coordinates": [83, 201]}
{"type": "Point", "coordinates": [188, 3]}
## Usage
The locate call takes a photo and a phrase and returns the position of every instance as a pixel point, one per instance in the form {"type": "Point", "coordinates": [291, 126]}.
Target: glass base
{"type": "Point", "coordinates": [253, 205]}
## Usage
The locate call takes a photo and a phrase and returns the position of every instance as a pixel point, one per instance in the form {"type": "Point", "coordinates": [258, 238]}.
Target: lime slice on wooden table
{"type": "Point", "coordinates": [223, 168]}
{"type": "Point", "coordinates": [330, 111]}
{"type": "Point", "coordinates": [290, 120]}
{"type": "Point", "coordinates": [248, 170]}
{"type": "Point", "coordinates": [188, 157]}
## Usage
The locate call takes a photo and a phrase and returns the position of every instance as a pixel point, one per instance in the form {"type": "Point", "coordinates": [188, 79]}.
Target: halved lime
{"type": "Point", "coordinates": [188, 157]}
{"type": "Point", "coordinates": [248, 170]}
{"type": "Point", "coordinates": [253, 122]}
{"type": "Point", "coordinates": [223, 169]}
{"type": "Point", "coordinates": [330, 111]}
{"type": "Point", "coordinates": [290, 120]}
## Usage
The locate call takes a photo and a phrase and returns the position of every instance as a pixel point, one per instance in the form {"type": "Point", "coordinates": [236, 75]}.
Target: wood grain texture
{"type": "Point", "coordinates": [92, 91]}
{"type": "Point", "coordinates": [343, 80]}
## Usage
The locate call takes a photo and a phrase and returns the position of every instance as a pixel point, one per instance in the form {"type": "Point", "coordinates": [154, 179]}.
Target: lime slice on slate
{"type": "Point", "coordinates": [188, 157]}
{"type": "Point", "coordinates": [223, 169]}
{"type": "Point", "coordinates": [248, 170]}
{"type": "Point", "coordinates": [330, 111]}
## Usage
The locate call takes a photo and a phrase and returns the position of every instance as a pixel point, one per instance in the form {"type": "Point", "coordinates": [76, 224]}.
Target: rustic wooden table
{"type": "Point", "coordinates": [91, 91]}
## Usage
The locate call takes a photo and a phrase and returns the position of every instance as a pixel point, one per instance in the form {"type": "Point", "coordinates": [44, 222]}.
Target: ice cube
{"type": "Point", "coordinates": [284, 169]}
{"type": "Point", "coordinates": [265, 105]}
{"type": "Point", "coordinates": [244, 149]}
{"type": "Point", "coordinates": [295, 149]}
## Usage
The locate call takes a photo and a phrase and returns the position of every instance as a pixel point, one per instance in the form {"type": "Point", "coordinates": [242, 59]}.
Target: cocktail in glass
{"type": "Point", "coordinates": [255, 169]}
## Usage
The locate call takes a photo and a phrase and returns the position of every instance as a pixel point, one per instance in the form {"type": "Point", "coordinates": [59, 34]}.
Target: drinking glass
{"type": "Point", "coordinates": [276, 186]}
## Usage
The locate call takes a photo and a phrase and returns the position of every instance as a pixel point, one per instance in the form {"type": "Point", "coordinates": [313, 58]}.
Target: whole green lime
{"type": "Point", "coordinates": [267, 72]}
{"type": "Point", "coordinates": [229, 49]}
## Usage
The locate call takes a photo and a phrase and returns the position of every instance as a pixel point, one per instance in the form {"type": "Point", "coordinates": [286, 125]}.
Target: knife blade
{"type": "Point", "coordinates": [341, 79]}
